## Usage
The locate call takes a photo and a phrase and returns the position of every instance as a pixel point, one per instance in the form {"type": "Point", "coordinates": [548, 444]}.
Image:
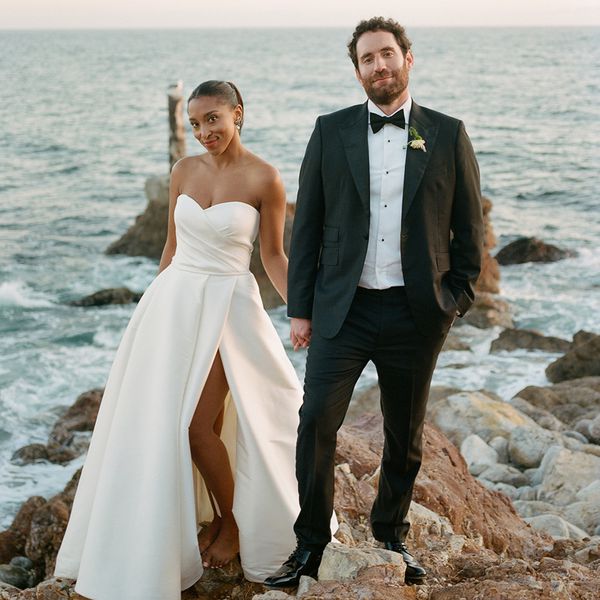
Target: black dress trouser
{"type": "Point", "coordinates": [379, 327]}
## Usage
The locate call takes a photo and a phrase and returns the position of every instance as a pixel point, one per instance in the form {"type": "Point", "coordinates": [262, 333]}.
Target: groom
{"type": "Point", "coordinates": [385, 249]}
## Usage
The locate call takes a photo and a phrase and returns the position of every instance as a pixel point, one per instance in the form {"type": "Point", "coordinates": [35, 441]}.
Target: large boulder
{"type": "Point", "coordinates": [530, 249]}
{"type": "Point", "coordinates": [147, 236]}
{"type": "Point", "coordinates": [460, 415]}
{"type": "Point", "coordinates": [582, 360]}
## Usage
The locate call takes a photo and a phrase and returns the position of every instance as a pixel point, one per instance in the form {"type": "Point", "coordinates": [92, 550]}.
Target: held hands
{"type": "Point", "coordinates": [300, 332]}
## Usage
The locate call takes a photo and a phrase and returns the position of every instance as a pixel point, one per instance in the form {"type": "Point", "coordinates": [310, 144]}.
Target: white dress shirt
{"type": "Point", "coordinates": [387, 159]}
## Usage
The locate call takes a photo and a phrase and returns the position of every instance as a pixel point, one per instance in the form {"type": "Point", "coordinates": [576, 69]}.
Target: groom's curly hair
{"type": "Point", "coordinates": [378, 24]}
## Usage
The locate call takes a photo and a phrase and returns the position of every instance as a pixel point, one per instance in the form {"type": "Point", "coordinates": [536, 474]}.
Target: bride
{"type": "Point", "coordinates": [200, 394]}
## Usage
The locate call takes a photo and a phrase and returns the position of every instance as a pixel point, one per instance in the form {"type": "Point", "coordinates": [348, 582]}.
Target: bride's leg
{"type": "Point", "coordinates": [210, 456]}
{"type": "Point", "coordinates": [209, 533]}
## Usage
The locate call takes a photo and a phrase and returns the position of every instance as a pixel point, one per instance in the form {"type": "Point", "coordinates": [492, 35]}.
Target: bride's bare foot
{"type": "Point", "coordinates": [208, 534]}
{"type": "Point", "coordinates": [225, 547]}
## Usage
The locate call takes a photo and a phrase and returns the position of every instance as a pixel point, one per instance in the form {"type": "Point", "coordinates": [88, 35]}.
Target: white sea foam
{"type": "Point", "coordinates": [17, 293]}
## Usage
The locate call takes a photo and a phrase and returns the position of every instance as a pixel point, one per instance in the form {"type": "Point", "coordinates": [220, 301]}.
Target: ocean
{"type": "Point", "coordinates": [83, 123]}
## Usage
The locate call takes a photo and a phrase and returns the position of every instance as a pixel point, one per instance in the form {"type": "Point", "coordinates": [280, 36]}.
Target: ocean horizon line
{"type": "Point", "coordinates": [288, 27]}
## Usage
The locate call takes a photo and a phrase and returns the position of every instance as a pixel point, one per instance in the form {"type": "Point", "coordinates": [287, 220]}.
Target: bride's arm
{"type": "Point", "coordinates": [171, 242]}
{"type": "Point", "coordinates": [272, 224]}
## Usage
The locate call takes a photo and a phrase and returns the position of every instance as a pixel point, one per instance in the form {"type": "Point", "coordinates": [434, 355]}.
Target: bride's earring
{"type": "Point", "coordinates": [237, 125]}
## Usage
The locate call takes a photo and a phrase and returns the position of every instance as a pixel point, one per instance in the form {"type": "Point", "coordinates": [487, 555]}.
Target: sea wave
{"type": "Point", "coordinates": [18, 293]}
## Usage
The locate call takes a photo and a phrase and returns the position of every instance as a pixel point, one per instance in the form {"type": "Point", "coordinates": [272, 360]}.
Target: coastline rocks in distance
{"type": "Point", "coordinates": [121, 295]}
{"type": "Point", "coordinates": [489, 278]}
{"type": "Point", "coordinates": [530, 249]}
{"type": "Point", "coordinates": [516, 339]}
{"type": "Point", "coordinates": [146, 237]}
{"type": "Point", "coordinates": [69, 437]}
{"type": "Point", "coordinates": [582, 360]}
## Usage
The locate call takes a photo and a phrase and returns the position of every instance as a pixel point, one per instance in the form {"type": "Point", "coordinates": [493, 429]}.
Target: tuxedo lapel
{"type": "Point", "coordinates": [416, 160]}
{"type": "Point", "coordinates": [354, 137]}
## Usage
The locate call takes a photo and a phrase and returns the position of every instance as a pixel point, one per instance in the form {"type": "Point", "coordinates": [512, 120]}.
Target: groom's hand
{"type": "Point", "coordinates": [300, 332]}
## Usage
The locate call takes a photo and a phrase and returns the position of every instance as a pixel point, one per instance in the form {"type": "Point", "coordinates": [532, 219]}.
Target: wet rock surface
{"type": "Point", "coordinates": [530, 249]}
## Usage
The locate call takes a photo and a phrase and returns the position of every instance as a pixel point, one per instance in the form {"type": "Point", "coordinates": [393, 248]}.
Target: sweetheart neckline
{"type": "Point", "coordinates": [219, 204]}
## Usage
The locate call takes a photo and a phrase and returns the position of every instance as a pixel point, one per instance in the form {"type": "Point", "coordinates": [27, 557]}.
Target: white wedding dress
{"type": "Point", "coordinates": [132, 534]}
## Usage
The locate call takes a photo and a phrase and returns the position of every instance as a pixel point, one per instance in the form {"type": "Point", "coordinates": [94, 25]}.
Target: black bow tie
{"type": "Point", "coordinates": [377, 121]}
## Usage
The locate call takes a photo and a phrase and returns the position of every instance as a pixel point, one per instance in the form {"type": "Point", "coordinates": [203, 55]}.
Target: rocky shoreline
{"type": "Point", "coordinates": [507, 503]}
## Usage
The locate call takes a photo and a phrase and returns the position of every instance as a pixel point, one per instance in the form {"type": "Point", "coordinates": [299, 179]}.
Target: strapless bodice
{"type": "Point", "coordinates": [218, 239]}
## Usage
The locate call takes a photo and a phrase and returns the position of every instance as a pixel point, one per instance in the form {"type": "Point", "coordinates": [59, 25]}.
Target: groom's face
{"type": "Point", "coordinates": [382, 67]}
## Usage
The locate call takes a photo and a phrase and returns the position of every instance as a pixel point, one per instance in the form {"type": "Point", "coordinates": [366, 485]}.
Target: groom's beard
{"type": "Point", "coordinates": [386, 94]}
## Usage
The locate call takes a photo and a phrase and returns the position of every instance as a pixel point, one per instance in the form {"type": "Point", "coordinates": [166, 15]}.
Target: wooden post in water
{"type": "Point", "coordinates": [176, 130]}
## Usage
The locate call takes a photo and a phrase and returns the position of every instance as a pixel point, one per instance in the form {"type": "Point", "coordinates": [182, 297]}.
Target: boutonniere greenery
{"type": "Point", "coordinates": [415, 140]}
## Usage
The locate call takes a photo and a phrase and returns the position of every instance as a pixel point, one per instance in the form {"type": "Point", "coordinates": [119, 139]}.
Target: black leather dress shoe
{"type": "Point", "coordinates": [415, 573]}
{"type": "Point", "coordinates": [301, 562]}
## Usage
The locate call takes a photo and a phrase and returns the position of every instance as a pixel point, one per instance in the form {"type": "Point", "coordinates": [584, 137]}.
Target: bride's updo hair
{"type": "Point", "coordinates": [225, 90]}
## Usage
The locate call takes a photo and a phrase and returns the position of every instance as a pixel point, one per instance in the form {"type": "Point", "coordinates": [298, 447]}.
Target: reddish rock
{"type": "Point", "coordinates": [489, 278]}
{"type": "Point", "coordinates": [13, 540]}
{"type": "Point", "coordinates": [64, 443]}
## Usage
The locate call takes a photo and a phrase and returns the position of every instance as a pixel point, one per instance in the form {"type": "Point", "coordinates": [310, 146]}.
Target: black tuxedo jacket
{"type": "Point", "coordinates": [441, 228]}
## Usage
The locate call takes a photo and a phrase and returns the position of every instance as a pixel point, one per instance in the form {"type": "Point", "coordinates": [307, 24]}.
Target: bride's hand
{"type": "Point", "coordinates": [300, 332]}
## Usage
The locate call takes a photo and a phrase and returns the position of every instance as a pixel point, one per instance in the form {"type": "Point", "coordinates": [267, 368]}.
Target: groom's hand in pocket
{"type": "Point", "coordinates": [300, 332]}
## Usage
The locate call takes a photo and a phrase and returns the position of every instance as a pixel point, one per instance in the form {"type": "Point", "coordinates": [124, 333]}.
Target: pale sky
{"type": "Point", "coordinates": [58, 14]}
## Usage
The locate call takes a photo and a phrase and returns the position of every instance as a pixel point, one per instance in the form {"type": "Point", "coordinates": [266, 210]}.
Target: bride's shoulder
{"type": "Point", "coordinates": [262, 171]}
{"type": "Point", "coordinates": [189, 162]}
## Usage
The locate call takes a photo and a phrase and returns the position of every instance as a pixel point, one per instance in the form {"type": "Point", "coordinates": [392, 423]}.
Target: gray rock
{"type": "Point", "coordinates": [500, 445]}
{"type": "Point", "coordinates": [590, 493]}
{"type": "Point", "coordinates": [477, 454]}
{"type": "Point", "coordinates": [17, 576]}
{"type": "Point", "coordinates": [533, 508]}
{"type": "Point", "coordinates": [544, 418]}
{"type": "Point", "coordinates": [305, 584]}
{"type": "Point", "coordinates": [527, 493]}
{"type": "Point", "coordinates": [584, 514]}
{"type": "Point", "coordinates": [342, 563]}
{"type": "Point", "coordinates": [460, 415]}
{"type": "Point", "coordinates": [575, 435]}
{"type": "Point", "coordinates": [508, 490]}
{"type": "Point", "coordinates": [528, 445]}
{"type": "Point", "coordinates": [273, 595]}
{"type": "Point", "coordinates": [556, 526]}
{"type": "Point", "coordinates": [499, 473]}
{"type": "Point", "coordinates": [565, 473]}
{"type": "Point", "coordinates": [594, 430]}
{"type": "Point", "coordinates": [23, 562]}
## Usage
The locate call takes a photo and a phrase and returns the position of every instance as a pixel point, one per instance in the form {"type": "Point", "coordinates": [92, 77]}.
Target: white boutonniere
{"type": "Point", "coordinates": [416, 141]}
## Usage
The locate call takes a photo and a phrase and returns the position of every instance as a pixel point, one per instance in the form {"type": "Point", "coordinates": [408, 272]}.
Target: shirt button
{"type": "Point", "coordinates": [386, 172]}
{"type": "Point", "coordinates": [382, 240]}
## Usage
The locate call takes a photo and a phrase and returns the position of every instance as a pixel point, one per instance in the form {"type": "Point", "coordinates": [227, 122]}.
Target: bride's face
{"type": "Point", "coordinates": [213, 122]}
